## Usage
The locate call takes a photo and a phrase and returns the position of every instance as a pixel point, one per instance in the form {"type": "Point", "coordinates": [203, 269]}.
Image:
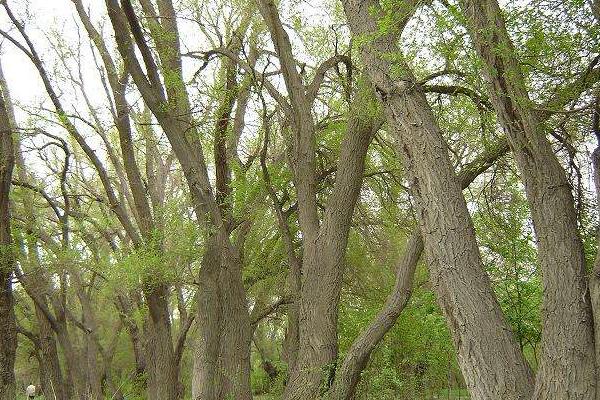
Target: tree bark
{"type": "Point", "coordinates": [324, 242]}
{"type": "Point", "coordinates": [488, 354]}
{"type": "Point", "coordinates": [163, 372]}
{"type": "Point", "coordinates": [170, 105]}
{"type": "Point", "coordinates": [348, 375]}
{"type": "Point", "coordinates": [568, 365]}
{"type": "Point", "coordinates": [323, 262]}
{"type": "Point", "coordinates": [8, 328]}
{"type": "Point", "coordinates": [205, 374]}
{"type": "Point", "coordinates": [595, 275]}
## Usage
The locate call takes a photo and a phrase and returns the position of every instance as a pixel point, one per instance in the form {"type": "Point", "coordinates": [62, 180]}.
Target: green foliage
{"type": "Point", "coordinates": [506, 235]}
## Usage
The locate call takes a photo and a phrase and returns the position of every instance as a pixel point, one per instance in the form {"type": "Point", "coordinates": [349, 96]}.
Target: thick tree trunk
{"type": "Point", "coordinates": [568, 365]}
{"type": "Point", "coordinates": [317, 352]}
{"type": "Point", "coordinates": [52, 380]}
{"type": "Point", "coordinates": [236, 333]}
{"type": "Point", "coordinates": [489, 356]}
{"type": "Point", "coordinates": [222, 360]}
{"type": "Point", "coordinates": [8, 328]}
{"type": "Point", "coordinates": [205, 374]}
{"type": "Point", "coordinates": [163, 371]}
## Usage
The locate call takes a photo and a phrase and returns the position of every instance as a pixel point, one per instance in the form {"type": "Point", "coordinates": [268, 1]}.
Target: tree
{"type": "Point", "coordinates": [7, 314]}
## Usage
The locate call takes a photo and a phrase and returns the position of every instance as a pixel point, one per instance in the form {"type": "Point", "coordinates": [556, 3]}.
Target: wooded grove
{"type": "Point", "coordinates": [300, 199]}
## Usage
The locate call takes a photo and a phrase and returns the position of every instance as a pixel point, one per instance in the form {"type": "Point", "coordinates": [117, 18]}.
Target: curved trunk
{"type": "Point", "coordinates": [323, 260]}
{"type": "Point", "coordinates": [348, 376]}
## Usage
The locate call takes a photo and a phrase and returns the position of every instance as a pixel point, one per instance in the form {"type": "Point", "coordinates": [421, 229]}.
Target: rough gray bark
{"type": "Point", "coordinates": [485, 345]}
{"type": "Point", "coordinates": [205, 376]}
{"type": "Point", "coordinates": [222, 354]}
{"type": "Point", "coordinates": [324, 261]}
{"type": "Point", "coordinates": [567, 365]}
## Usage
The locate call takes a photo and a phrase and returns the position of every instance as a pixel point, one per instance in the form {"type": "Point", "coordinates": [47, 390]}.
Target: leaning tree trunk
{"type": "Point", "coordinates": [348, 375]}
{"type": "Point", "coordinates": [8, 328]}
{"type": "Point", "coordinates": [488, 354]}
{"type": "Point", "coordinates": [568, 365]}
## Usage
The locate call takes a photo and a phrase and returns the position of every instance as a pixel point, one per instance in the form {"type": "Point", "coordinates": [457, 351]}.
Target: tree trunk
{"type": "Point", "coordinates": [222, 360]}
{"type": "Point", "coordinates": [8, 328]}
{"type": "Point", "coordinates": [324, 259]}
{"type": "Point", "coordinates": [594, 280]}
{"type": "Point", "coordinates": [125, 307]}
{"type": "Point", "coordinates": [52, 380]}
{"type": "Point", "coordinates": [568, 365]}
{"type": "Point", "coordinates": [488, 354]}
{"type": "Point", "coordinates": [91, 350]}
{"type": "Point", "coordinates": [205, 376]}
{"type": "Point", "coordinates": [348, 376]}
{"type": "Point", "coordinates": [74, 374]}
{"type": "Point", "coordinates": [236, 334]}
{"type": "Point", "coordinates": [163, 372]}
{"type": "Point", "coordinates": [8, 332]}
